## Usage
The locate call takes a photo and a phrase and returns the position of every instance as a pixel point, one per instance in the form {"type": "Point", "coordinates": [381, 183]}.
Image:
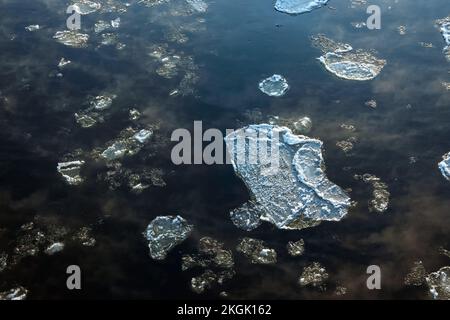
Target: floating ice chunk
{"type": "Point", "coordinates": [164, 233]}
{"type": "Point", "coordinates": [257, 251]}
{"type": "Point", "coordinates": [204, 281]}
{"type": "Point", "coordinates": [19, 293]}
{"type": "Point", "coordinates": [54, 248]}
{"type": "Point", "coordinates": [102, 102]}
{"type": "Point", "coordinates": [303, 125]}
{"type": "Point", "coordinates": [314, 275]}
{"type": "Point", "coordinates": [247, 217]}
{"type": "Point", "coordinates": [198, 5]}
{"type": "Point", "coordinates": [101, 26]}
{"type": "Point", "coordinates": [84, 236]}
{"type": "Point", "coordinates": [444, 26]}
{"type": "Point", "coordinates": [439, 284]}
{"type": "Point", "coordinates": [85, 7]}
{"type": "Point", "coordinates": [3, 261]}
{"type": "Point", "coordinates": [143, 135]}
{"type": "Point", "coordinates": [63, 62]}
{"type": "Point", "coordinates": [71, 171]}
{"type": "Point", "coordinates": [115, 151]}
{"type": "Point", "coordinates": [341, 60]}
{"type": "Point", "coordinates": [290, 186]}
{"type": "Point", "coordinates": [274, 86]}
{"type": "Point", "coordinates": [444, 166]}
{"type": "Point", "coordinates": [33, 27]}
{"type": "Point", "coordinates": [85, 120]}
{"type": "Point", "coordinates": [298, 6]}
{"type": "Point", "coordinates": [115, 23]}
{"type": "Point", "coordinates": [296, 248]}
{"type": "Point", "coordinates": [72, 38]}
{"type": "Point", "coordinates": [380, 200]}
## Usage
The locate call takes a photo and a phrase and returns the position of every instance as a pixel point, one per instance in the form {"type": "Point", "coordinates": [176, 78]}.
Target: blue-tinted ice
{"type": "Point", "coordinates": [274, 86]}
{"type": "Point", "coordinates": [298, 6]}
{"type": "Point", "coordinates": [297, 193]}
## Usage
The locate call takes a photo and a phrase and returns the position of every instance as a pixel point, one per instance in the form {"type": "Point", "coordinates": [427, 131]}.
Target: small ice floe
{"type": "Point", "coordinates": [212, 256]}
{"type": "Point", "coordinates": [298, 6]}
{"type": "Point", "coordinates": [115, 151]}
{"type": "Point", "coordinates": [85, 7]}
{"type": "Point", "coordinates": [3, 261]}
{"type": "Point", "coordinates": [198, 5]}
{"type": "Point", "coordinates": [346, 145]}
{"type": "Point", "coordinates": [346, 63]}
{"type": "Point", "coordinates": [247, 217]}
{"type": "Point", "coordinates": [290, 187]}
{"type": "Point", "coordinates": [72, 38]}
{"type": "Point", "coordinates": [302, 125]}
{"type": "Point", "coordinates": [115, 23]}
{"type": "Point", "coordinates": [313, 275]}
{"type": "Point", "coordinates": [101, 26]}
{"type": "Point", "coordinates": [296, 248]}
{"type": "Point", "coordinates": [33, 27]}
{"type": "Point", "coordinates": [85, 120]}
{"type": "Point", "coordinates": [84, 236]}
{"type": "Point", "coordinates": [416, 275]}
{"type": "Point", "coordinates": [274, 86]}
{"type": "Point", "coordinates": [257, 251]}
{"type": "Point", "coordinates": [358, 25]}
{"type": "Point", "coordinates": [102, 102]}
{"type": "Point", "coordinates": [371, 104]}
{"type": "Point", "coordinates": [143, 135]}
{"type": "Point", "coordinates": [63, 63]}
{"type": "Point", "coordinates": [401, 30]}
{"type": "Point", "coordinates": [439, 284]}
{"type": "Point", "coordinates": [54, 248]}
{"type": "Point", "coordinates": [164, 233]}
{"type": "Point", "coordinates": [444, 27]}
{"type": "Point", "coordinates": [19, 293]}
{"type": "Point", "coordinates": [134, 114]}
{"type": "Point", "coordinates": [444, 166]}
{"type": "Point", "coordinates": [380, 201]}
{"type": "Point", "coordinates": [444, 252]}
{"type": "Point", "coordinates": [71, 171]}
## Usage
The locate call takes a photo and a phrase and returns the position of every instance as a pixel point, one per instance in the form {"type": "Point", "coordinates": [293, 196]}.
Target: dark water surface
{"type": "Point", "coordinates": [238, 44]}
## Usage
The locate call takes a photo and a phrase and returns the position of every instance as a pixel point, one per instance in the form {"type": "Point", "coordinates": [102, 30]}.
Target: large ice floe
{"type": "Point", "coordinates": [444, 166]}
{"type": "Point", "coordinates": [344, 62]}
{"type": "Point", "coordinates": [72, 38]}
{"type": "Point", "coordinates": [289, 186]}
{"type": "Point", "coordinates": [164, 233]}
{"type": "Point", "coordinates": [439, 284]}
{"type": "Point", "coordinates": [274, 86]}
{"type": "Point", "coordinates": [298, 6]}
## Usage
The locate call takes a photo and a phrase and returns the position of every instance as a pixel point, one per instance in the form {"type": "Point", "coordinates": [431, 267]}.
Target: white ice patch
{"type": "Point", "coordinates": [274, 86]}
{"type": "Point", "coordinates": [298, 6]}
{"type": "Point", "coordinates": [444, 166]}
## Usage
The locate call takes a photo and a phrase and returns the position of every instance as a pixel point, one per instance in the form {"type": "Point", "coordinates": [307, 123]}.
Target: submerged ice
{"type": "Point", "coordinates": [293, 193]}
{"type": "Point", "coordinates": [298, 6]}
{"type": "Point", "coordinates": [164, 233]}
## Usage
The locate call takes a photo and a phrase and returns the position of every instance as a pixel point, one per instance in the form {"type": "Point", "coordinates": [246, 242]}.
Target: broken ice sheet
{"type": "Point", "coordinates": [164, 233]}
{"type": "Point", "coordinates": [298, 6]}
{"type": "Point", "coordinates": [444, 166]}
{"type": "Point", "coordinates": [293, 192]}
{"type": "Point", "coordinates": [417, 274]}
{"type": "Point", "coordinates": [71, 171]}
{"type": "Point", "coordinates": [19, 293]}
{"type": "Point", "coordinates": [129, 142]}
{"type": "Point", "coordinates": [380, 201]}
{"type": "Point", "coordinates": [345, 62]}
{"type": "Point", "coordinates": [439, 284]}
{"type": "Point", "coordinates": [313, 275]}
{"type": "Point", "coordinates": [257, 251]}
{"type": "Point", "coordinates": [274, 86]}
{"type": "Point", "coordinates": [72, 38]}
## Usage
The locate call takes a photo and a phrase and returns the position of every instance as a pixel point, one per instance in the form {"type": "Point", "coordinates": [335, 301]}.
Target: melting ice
{"type": "Point", "coordinates": [298, 6]}
{"type": "Point", "coordinates": [295, 194]}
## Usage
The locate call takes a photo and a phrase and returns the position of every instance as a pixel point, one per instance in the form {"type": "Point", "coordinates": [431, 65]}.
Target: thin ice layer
{"type": "Point", "coordinates": [291, 188]}
{"type": "Point", "coordinates": [298, 6]}
{"type": "Point", "coordinates": [444, 166]}
{"type": "Point", "coordinates": [164, 233]}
